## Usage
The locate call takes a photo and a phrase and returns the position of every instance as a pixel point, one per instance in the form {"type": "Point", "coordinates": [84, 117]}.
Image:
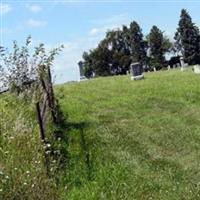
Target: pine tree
{"type": "Point", "coordinates": [137, 44]}
{"type": "Point", "coordinates": [187, 38]}
{"type": "Point", "coordinates": [158, 46]}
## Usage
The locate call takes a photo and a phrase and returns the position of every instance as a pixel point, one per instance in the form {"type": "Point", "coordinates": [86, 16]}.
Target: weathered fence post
{"type": "Point", "coordinates": [40, 122]}
{"type": "Point", "coordinates": [42, 135]}
{"type": "Point", "coordinates": [51, 95]}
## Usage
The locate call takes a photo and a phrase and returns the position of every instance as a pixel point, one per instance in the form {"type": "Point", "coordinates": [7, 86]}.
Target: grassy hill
{"type": "Point", "coordinates": [131, 139]}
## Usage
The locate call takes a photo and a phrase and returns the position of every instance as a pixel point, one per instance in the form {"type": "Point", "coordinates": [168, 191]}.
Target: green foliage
{"type": "Point", "coordinates": [158, 46]}
{"type": "Point", "coordinates": [115, 52]}
{"type": "Point", "coordinates": [23, 65]}
{"type": "Point", "coordinates": [188, 39]}
{"type": "Point", "coordinates": [22, 170]}
{"type": "Point", "coordinates": [137, 44]}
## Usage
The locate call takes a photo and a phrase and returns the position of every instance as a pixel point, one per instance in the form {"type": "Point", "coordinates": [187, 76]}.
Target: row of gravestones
{"type": "Point", "coordinates": [136, 69]}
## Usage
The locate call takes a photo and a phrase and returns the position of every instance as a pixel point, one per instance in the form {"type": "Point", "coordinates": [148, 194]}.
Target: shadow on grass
{"type": "Point", "coordinates": [84, 144]}
{"type": "Point", "coordinates": [72, 159]}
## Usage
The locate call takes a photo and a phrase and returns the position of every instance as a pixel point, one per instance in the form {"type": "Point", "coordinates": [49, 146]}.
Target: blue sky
{"type": "Point", "coordinates": [81, 24]}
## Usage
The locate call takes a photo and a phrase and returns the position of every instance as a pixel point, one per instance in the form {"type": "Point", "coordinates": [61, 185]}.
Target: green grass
{"type": "Point", "coordinates": [126, 140]}
{"type": "Point", "coordinates": [133, 139]}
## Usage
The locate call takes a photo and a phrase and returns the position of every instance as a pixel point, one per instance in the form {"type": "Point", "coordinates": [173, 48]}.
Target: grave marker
{"type": "Point", "coordinates": [196, 69]}
{"type": "Point", "coordinates": [183, 64]}
{"type": "Point", "coordinates": [136, 71]}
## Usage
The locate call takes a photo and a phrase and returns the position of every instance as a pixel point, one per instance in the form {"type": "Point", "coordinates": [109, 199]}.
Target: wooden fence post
{"type": "Point", "coordinates": [40, 122]}
{"type": "Point", "coordinates": [42, 135]}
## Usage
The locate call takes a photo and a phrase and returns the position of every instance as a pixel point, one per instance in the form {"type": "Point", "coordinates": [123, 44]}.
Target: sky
{"type": "Point", "coordinates": [81, 24]}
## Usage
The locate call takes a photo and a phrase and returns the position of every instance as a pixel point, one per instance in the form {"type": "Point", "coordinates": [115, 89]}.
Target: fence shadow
{"type": "Point", "coordinates": [83, 143]}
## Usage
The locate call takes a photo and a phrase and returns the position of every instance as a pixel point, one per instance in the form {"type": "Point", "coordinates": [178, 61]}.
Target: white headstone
{"type": "Point", "coordinates": [154, 69]}
{"type": "Point", "coordinates": [197, 69]}
{"type": "Point", "coordinates": [183, 64]}
{"type": "Point", "coordinates": [168, 68]}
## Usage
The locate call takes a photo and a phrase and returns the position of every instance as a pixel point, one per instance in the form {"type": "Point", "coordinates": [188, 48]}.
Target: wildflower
{"type": "Point", "coordinates": [32, 185]}
{"type": "Point", "coordinates": [25, 183]}
{"type": "Point", "coordinates": [1, 190]}
{"type": "Point", "coordinates": [7, 177]}
{"type": "Point", "coordinates": [48, 152]}
{"type": "Point", "coordinates": [28, 172]}
{"type": "Point", "coordinates": [48, 145]}
{"type": "Point", "coordinates": [15, 168]}
{"type": "Point", "coordinates": [1, 173]}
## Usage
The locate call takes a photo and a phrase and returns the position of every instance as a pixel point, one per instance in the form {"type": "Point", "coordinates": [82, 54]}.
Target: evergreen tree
{"type": "Point", "coordinates": [137, 44]}
{"type": "Point", "coordinates": [158, 46]}
{"type": "Point", "coordinates": [187, 38]}
{"type": "Point", "coordinates": [119, 50]}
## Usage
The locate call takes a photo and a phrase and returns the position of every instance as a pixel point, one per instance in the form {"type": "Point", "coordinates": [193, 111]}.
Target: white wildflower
{"type": "Point", "coordinates": [48, 145]}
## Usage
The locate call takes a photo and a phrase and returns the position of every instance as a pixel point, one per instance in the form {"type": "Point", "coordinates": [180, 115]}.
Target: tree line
{"type": "Point", "coordinates": [121, 47]}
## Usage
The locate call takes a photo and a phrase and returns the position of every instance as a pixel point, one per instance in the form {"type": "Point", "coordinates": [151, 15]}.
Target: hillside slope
{"type": "Point", "coordinates": [133, 139]}
{"type": "Point", "coordinates": [124, 140]}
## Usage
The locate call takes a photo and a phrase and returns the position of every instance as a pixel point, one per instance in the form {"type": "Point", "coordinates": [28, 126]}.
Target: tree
{"type": "Point", "coordinates": [187, 38]}
{"type": "Point", "coordinates": [158, 46]}
{"type": "Point", "coordinates": [120, 50]}
{"type": "Point", "coordinates": [21, 67]}
{"type": "Point", "coordinates": [87, 65]}
{"type": "Point", "coordinates": [137, 44]}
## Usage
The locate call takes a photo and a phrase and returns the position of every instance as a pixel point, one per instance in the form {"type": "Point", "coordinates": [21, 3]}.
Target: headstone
{"type": "Point", "coordinates": [183, 64]}
{"type": "Point", "coordinates": [168, 68]}
{"type": "Point", "coordinates": [136, 71]}
{"type": "Point", "coordinates": [81, 71]}
{"type": "Point", "coordinates": [154, 69]}
{"type": "Point", "coordinates": [196, 69]}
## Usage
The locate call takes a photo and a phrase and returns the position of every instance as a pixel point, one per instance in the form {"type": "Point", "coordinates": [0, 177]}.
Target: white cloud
{"type": "Point", "coordinates": [34, 8]}
{"type": "Point", "coordinates": [113, 22]}
{"type": "Point", "coordinates": [94, 31]}
{"type": "Point", "coordinates": [65, 65]}
{"type": "Point", "coordinates": [5, 8]}
{"type": "Point", "coordinates": [36, 23]}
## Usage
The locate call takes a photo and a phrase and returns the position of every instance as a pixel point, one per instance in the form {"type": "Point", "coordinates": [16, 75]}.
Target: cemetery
{"type": "Point", "coordinates": [128, 128]}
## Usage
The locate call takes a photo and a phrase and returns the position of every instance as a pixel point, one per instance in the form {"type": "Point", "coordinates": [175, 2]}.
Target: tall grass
{"type": "Point", "coordinates": [124, 140]}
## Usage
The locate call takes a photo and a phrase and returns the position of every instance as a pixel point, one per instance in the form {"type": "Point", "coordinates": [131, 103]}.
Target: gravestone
{"type": "Point", "coordinates": [183, 64]}
{"type": "Point", "coordinates": [168, 67]}
{"type": "Point", "coordinates": [154, 69]}
{"type": "Point", "coordinates": [81, 71]}
{"type": "Point", "coordinates": [136, 71]}
{"type": "Point", "coordinates": [196, 69]}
